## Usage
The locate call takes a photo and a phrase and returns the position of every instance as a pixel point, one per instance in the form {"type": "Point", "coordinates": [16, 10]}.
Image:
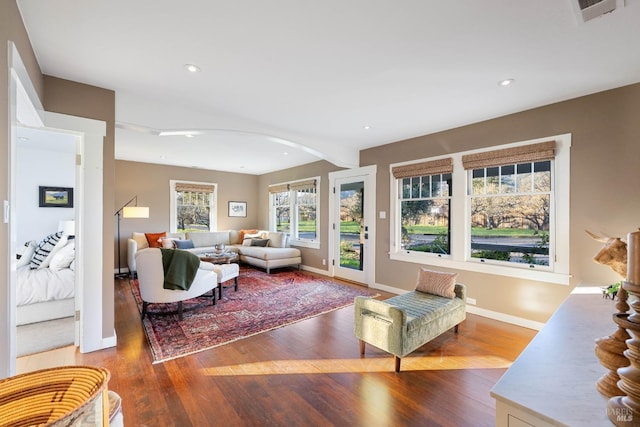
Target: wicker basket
{"type": "Point", "coordinates": [61, 396]}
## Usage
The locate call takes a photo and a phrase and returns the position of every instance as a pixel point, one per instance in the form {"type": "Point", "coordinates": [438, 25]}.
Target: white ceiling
{"type": "Point", "coordinates": [305, 77]}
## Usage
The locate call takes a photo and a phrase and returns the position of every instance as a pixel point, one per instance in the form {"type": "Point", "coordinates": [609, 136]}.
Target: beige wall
{"type": "Point", "coordinates": [80, 100]}
{"type": "Point", "coordinates": [310, 257]}
{"type": "Point", "coordinates": [150, 182]}
{"type": "Point", "coordinates": [605, 194]}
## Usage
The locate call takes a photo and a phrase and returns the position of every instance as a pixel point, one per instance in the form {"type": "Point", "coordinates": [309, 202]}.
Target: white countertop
{"type": "Point", "coordinates": [555, 377]}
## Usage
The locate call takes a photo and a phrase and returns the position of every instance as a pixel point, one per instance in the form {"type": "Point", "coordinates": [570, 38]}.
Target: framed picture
{"type": "Point", "coordinates": [56, 197]}
{"type": "Point", "coordinates": [237, 208]}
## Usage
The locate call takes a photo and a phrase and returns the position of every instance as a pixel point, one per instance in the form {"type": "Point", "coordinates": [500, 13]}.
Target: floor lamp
{"type": "Point", "coordinates": [127, 211]}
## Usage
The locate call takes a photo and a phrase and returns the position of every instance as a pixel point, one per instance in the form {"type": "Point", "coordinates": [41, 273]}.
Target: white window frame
{"type": "Point", "coordinates": [213, 211]}
{"type": "Point", "coordinates": [460, 257]}
{"type": "Point", "coordinates": [294, 238]}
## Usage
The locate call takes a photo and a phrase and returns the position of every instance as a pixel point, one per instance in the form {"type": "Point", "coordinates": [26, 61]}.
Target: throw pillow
{"type": "Point", "coordinates": [168, 243]}
{"type": "Point", "coordinates": [154, 239]}
{"type": "Point", "coordinates": [436, 282]}
{"type": "Point", "coordinates": [259, 242]}
{"type": "Point", "coordinates": [243, 232]}
{"type": "Point", "coordinates": [277, 239]}
{"type": "Point", "coordinates": [45, 248]}
{"type": "Point", "coordinates": [64, 257]}
{"type": "Point", "coordinates": [184, 244]}
{"type": "Point", "coordinates": [25, 253]}
{"type": "Point", "coordinates": [141, 240]}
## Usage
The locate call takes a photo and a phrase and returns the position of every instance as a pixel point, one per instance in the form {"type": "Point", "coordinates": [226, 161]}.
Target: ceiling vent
{"type": "Point", "coordinates": [590, 9]}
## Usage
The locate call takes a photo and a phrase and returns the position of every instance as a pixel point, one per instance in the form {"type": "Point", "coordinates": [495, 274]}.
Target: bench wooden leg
{"type": "Point", "coordinates": [455, 329]}
{"type": "Point", "coordinates": [397, 363]}
{"type": "Point", "coordinates": [361, 348]}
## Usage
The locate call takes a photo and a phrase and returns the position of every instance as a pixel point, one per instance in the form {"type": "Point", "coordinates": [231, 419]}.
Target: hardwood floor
{"type": "Point", "coordinates": [307, 374]}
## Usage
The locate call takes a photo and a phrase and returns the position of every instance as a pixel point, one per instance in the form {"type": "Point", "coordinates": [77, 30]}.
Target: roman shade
{"type": "Point", "coordinates": [278, 188]}
{"type": "Point", "coordinates": [308, 184]}
{"type": "Point", "coordinates": [195, 188]}
{"type": "Point", "coordinates": [509, 156]}
{"type": "Point", "coordinates": [431, 167]}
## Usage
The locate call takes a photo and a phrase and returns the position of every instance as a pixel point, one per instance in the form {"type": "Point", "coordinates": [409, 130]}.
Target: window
{"type": "Point", "coordinates": [425, 195]}
{"type": "Point", "coordinates": [294, 209]}
{"type": "Point", "coordinates": [510, 213]}
{"type": "Point", "coordinates": [501, 211]}
{"type": "Point", "coordinates": [193, 206]}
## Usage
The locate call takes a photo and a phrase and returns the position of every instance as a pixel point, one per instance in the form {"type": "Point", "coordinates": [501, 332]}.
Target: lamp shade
{"type": "Point", "coordinates": [135, 212]}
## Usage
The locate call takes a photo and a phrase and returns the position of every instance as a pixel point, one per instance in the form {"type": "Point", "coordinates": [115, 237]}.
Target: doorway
{"type": "Point", "coordinates": [352, 211]}
{"type": "Point", "coordinates": [25, 108]}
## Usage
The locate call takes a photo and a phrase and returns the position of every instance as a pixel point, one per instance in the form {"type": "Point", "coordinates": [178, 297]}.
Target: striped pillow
{"type": "Point", "coordinates": [437, 282]}
{"type": "Point", "coordinates": [44, 249]}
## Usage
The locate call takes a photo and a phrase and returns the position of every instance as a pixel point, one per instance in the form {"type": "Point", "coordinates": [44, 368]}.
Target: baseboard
{"type": "Point", "coordinates": [501, 317]}
{"type": "Point", "coordinates": [507, 318]}
{"type": "Point", "coordinates": [314, 270]}
{"type": "Point", "coordinates": [111, 341]}
{"type": "Point", "coordinates": [122, 271]}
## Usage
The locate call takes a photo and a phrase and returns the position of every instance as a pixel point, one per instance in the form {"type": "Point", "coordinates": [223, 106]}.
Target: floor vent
{"type": "Point", "coordinates": [590, 9]}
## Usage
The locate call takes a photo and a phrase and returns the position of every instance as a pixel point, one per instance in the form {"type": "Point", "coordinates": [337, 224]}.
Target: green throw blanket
{"type": "Point", "coordinates": [180, 268]}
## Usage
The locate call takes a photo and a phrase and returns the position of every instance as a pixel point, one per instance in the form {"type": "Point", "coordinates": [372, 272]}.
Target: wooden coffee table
{"type": "Point", "coordinates": [223, 258]}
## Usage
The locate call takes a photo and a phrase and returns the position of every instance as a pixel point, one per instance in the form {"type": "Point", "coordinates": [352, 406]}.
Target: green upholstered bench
{"type": "Point", "coordinates": [403, 323]}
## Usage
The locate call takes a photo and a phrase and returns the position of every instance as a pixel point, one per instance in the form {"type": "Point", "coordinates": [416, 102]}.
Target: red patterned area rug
{"type": "Point", "coordinates": [263, 302]}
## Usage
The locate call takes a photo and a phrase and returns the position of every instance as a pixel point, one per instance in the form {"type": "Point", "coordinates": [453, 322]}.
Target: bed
{"type": "Point", "coordinates": [47, 291]}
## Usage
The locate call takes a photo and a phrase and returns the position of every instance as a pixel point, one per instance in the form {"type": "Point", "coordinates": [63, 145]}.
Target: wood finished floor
{"type": "Point", "coordinates": [306, 374]}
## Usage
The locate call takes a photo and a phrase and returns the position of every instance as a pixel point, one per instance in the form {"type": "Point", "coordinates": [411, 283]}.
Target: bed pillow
{"type": "Point", "coordinates": [26, 252]}
{"type": "Point", "coordinates": [46, 248]}
{"type": "Point", "coordinates": [436, 282]}
{"type": "Point", "coordinates": [154, 239]}
{"type": "Point", "coordinates": [64, 257]}
{"type": "Point", "coordinates": [184, 244]}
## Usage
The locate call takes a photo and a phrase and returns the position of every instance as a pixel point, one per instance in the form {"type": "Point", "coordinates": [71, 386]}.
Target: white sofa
{"type": "Point", "coordinates": [151, 279]}
{"type": "Point", "coordinates": [276, 254]}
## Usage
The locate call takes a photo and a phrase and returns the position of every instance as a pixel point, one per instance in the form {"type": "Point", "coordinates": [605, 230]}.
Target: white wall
{"type": "Point", "coordinates": [42, 162]}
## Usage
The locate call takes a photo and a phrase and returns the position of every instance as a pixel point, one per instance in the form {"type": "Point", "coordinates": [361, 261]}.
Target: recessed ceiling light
{"type": "Point", "coordinates": [189, 135]}
{"type": "Point", "coordinates": [366, 127]}
{"type": "Point", "coordinates": [192, 68]}
{"type": "Point", "coordinates": [506, 82]}
{"type": "Point", "coordinates": [285, 153]}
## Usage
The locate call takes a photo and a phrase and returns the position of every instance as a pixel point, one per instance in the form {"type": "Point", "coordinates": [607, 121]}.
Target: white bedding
{"type": "Point", "coordinates": [43, 284]}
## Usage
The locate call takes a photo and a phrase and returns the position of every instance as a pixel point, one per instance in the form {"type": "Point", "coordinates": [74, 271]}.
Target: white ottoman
{"type": "Point", "coordinates": [225, 273]}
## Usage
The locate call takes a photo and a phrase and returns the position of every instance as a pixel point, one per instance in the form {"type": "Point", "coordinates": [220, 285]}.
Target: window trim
{"type": "Point", "coordinates": [460, 258]}
{"type": "Point", "coordinates": [213, 215]}
{"type": "Point", "coordinates": [294, 240]}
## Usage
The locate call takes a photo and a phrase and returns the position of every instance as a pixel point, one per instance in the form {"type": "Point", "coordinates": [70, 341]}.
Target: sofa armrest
{"type": "Point", "coordinates": [461, 292]}
{"type": "Point", "coordinates": [206, 266]}
{"type": "Point", "coordinates": [380, 324]}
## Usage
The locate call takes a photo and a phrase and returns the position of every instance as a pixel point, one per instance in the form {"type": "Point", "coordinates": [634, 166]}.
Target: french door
{"type": "Point", "coordinates": [353, 224]}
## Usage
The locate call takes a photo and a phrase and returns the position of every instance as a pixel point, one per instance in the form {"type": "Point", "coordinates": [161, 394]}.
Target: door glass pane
{"type": "Point", "coordinates": [351, 225]}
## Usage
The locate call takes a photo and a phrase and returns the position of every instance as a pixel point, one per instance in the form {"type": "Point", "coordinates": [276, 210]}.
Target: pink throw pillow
{"type": "Point", "coordinates": [437, 282]}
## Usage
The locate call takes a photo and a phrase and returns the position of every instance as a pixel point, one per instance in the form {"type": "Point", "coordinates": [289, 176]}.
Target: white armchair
{"type": "Point", "coordinates": [151, 280]}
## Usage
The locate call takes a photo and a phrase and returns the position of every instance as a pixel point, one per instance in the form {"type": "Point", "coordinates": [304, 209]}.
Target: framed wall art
{"type": "Point", "coordinates": [55, 197]}
{"type": "Point", "coordinates": [237, 208]}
